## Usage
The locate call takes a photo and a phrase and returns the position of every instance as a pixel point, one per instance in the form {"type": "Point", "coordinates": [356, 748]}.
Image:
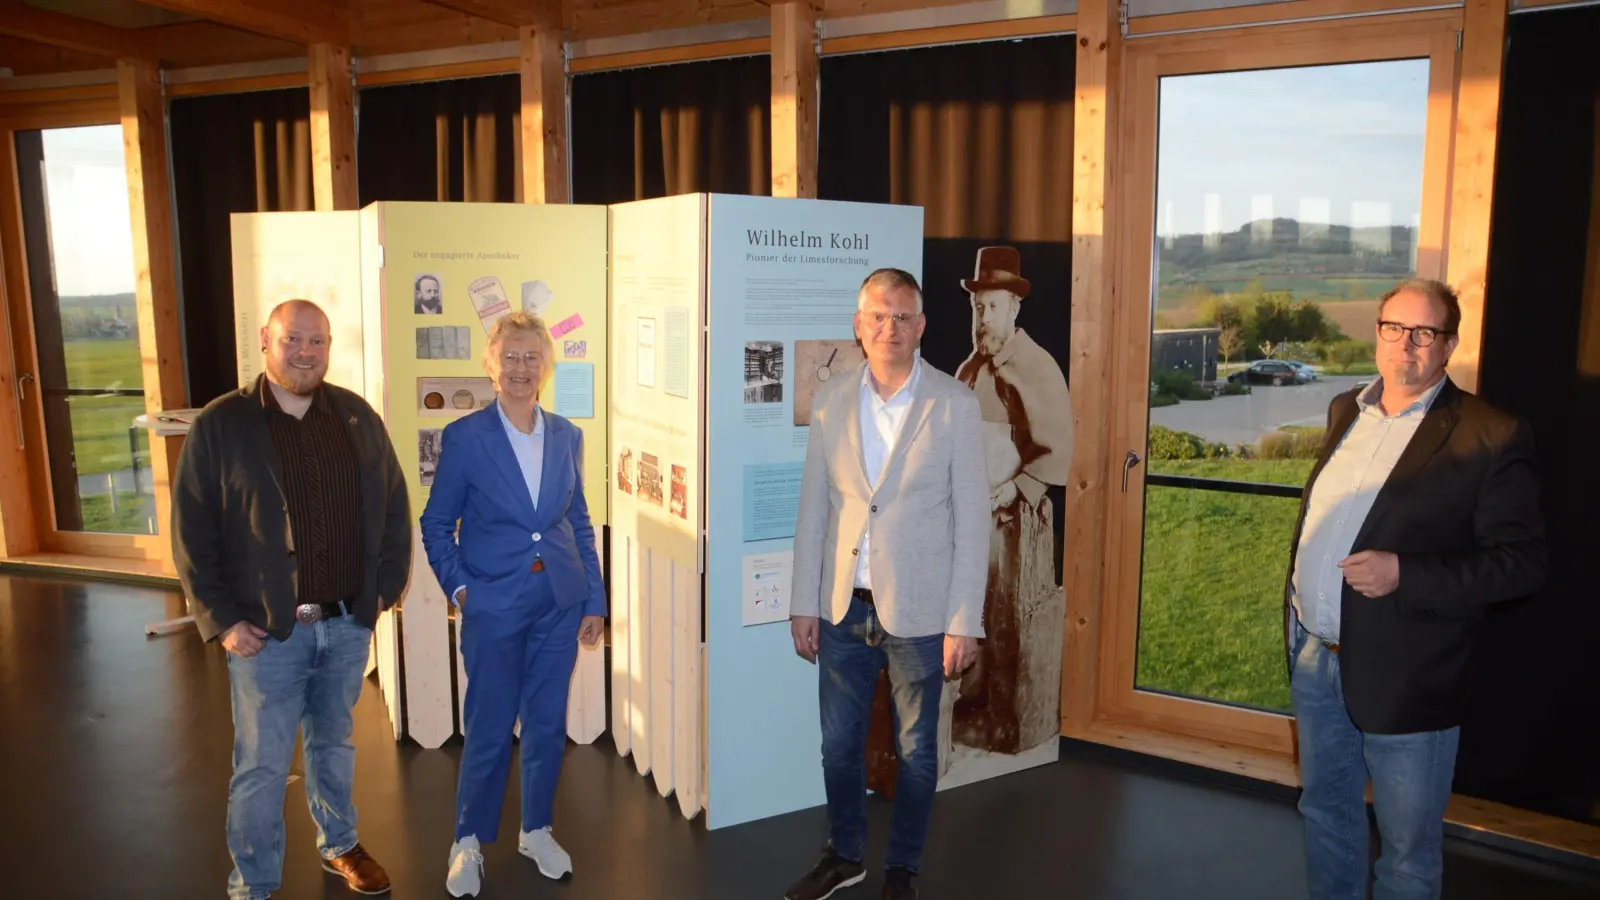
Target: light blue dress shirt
{"type": "Point", "coordinates": [529, 450]}
{"type": "Point", "coordinates": [1340, 500]}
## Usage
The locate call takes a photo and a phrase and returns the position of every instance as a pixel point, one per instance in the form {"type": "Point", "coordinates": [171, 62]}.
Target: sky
{"type": "Point", "coordinates": [1337, 144]}
{"type": "Point", "coordinates": [86, 186]}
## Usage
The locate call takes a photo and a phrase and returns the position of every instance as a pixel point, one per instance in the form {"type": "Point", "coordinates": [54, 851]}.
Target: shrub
{"type": "Point", "coordinates": [1234, 389]}
{"type": "Point", "coordinates": [1166, 443]}
{"type": "Point", "coordinates": [1162, 400]}
{"type": "Point", "coordinates": [1181, 385]}
{"type": "Point", "coordinates": [1297, 444]}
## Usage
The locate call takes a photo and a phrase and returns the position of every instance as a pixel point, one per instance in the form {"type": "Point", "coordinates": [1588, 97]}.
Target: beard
{"type": "Point", "coordinates": [987, 342]}
{"type": "Point", "coordinates": [299, 382]}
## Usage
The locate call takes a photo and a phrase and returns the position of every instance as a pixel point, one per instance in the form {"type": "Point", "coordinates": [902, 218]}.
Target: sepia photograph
{"type": "Point", "coordinates": [427, 294]}
{"type": "Point", "coordinates": [679, 505]}
{"type": "Point", "coordinates": [650, 479]}
{"type": "Point", "coordinates": [625, 470]}
{"type": "Point", "coordinates": [763, 372]}
{"type": "Point", "coordinates": [817, 362]}
{"type": "Point", "coordinates": [444, 342]}
{"type": "Point", "coordinates": [429, 442]}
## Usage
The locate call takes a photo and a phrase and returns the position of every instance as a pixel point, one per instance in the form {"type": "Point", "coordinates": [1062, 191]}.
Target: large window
{"type": "Point", "coordinates": [81, 281]}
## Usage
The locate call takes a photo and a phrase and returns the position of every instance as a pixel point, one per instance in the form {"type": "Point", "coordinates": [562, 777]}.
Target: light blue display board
{"type": "Point", "coordinates": [779, 272]}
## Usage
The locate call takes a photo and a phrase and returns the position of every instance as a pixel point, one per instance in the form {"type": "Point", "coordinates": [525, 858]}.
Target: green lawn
{"type": "Point", "coordinates": [132, 515]}
{"type": "Point", "coordinates": [1210, 614]}
{"type": "Point", "coordinates": [100, 425]}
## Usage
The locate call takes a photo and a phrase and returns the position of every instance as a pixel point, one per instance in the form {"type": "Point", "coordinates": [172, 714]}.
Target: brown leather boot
{"type": "Point", "coordinates": [360, 871]}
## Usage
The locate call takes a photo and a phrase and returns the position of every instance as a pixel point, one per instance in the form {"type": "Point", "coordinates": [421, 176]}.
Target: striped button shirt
{"type": "Point", "coordinates": [322, 481]}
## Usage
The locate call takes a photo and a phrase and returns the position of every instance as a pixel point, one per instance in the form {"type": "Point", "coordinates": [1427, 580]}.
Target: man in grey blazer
{"type": "Point", "coordinates": [891, 556]}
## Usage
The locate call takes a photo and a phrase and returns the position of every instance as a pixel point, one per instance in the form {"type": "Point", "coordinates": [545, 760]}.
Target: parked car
{"type": "Point", "coordinates": [1306, 369]}
{"type": "Point", "coordinates": [1270, 371]}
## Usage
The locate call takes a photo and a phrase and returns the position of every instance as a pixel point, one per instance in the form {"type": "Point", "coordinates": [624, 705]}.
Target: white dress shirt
{"type": "Point", "coordinates": [1340, 500]}
{"type": "Point", "coordinates": [529, 451]}
{"type": "Point", "coordinates": [881, 422]}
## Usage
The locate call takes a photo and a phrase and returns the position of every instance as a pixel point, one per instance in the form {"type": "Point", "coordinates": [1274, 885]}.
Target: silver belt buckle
{"type": "Point", "coordinates": [309, 613]}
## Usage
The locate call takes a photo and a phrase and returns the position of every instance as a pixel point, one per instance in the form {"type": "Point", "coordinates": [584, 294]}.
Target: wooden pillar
{"type": "Point", "coordinates": [544, 114]}
{"type": "Point", "coordinates": [794, 99]}
{"type": "Point", "coordinates": [1483, 44]}
{"type": "Point", "coordinates": [333, 128]}
{"type": "Point", "coordinates": [1095, 122]}
{"type": "Point", "coordinates": [144, 147]}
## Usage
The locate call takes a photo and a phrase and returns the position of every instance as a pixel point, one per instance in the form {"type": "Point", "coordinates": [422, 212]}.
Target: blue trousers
{"type": "Point", "coordinates": [850, 655]}
{"type": "Point", "coordinates": [1410, 773]}
{"type": "Point", "coordinates": [519, 661]}
{"type": "Point", "coordinates": [308, 683]}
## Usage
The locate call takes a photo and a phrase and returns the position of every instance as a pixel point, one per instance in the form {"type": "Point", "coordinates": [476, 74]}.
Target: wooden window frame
{"type": "Point", "coordinates": [1267, 736]}
{"type": "Point", "coordinates": [23, 344]}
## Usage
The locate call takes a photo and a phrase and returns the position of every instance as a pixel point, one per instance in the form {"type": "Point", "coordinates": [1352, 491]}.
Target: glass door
{"type": "Point", "coordinates": [87, 379]}
{"type": "Point", "coordinates": [1276, 195]}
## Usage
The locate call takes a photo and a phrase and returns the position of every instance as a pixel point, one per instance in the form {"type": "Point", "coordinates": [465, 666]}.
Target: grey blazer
{"type": "Point", "coordinates": [929, 511]}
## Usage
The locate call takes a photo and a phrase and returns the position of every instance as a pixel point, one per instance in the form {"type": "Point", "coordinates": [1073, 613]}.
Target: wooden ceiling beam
{"type": "Point", "coordinates": [301, 21]}
{"type": "Point", "coordinates": [520, 13]}
{"type": "Point", "coordinates": [69, 32]}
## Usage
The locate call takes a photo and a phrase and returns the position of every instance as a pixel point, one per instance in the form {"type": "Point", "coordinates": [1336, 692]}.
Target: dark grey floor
{"type": "Point", "coordinates": [115, 755]}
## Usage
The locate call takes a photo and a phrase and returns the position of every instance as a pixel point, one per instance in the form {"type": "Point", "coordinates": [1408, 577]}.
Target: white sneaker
{"type": "Point", "coordinates": [540, 847]}
{"type": "Point", "coordinates": [466, 868]}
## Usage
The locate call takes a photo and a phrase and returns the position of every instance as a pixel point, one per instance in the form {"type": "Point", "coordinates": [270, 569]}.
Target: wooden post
{"type": "Point", "coordinates": [333, 128]}
{"type": "Point", "coordinates": [1095, 117]}
{"type": "Point", "coordinates": [1483, 44]}
{"type": "Point", "coordinates": [144, 147]}
{"type": "Point", "coordinates": [794, 99]}
{"type": "Point", "coordinates": [544, 113]}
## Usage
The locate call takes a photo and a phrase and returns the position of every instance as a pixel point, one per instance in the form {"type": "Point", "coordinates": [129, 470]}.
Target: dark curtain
{"type": "Point", "coordinates": [1530, 738]}
{"type": "Point", "coordinates": [230, 153]}
{"type": "Point", "coordinates": [656, 132]}
{"type": "Point", "coordinates": [441, 141]}
{"type": "Point", "coordinates": [979, 136]}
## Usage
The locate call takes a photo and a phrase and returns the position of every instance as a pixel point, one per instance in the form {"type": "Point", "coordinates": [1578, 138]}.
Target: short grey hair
{"type": "Point", "coordinates": [1439, 293]}
{"type": "Point", "coordinates": [520, 322]}
{"type": "Point", "coordinates": [889, 280]}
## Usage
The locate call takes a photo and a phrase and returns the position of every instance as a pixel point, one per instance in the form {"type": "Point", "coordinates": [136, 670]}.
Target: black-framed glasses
{"type": "Point", "coordinates": [510, 360]}
{"type": "Point", "coordinates": [1421, 335]}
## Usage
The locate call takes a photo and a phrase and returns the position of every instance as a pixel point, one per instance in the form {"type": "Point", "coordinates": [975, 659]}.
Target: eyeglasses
{"type": "Point", "coordinates": [529, 359]}
{"type": "Point", "coordinates": [878, 318]}
{"type": "Point", "coordinates": [1421, 335]}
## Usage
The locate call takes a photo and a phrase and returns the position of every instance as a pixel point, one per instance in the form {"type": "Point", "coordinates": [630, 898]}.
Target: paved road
{"type": "Point", "coordinates": [1243, 420]}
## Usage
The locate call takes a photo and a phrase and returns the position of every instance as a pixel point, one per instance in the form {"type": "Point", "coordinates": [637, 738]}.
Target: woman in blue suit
{"type": "Point", "coordinates": [525, 576]}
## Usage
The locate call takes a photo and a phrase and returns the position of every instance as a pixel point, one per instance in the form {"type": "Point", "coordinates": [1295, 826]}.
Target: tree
{"type": "Point", "coordinates": [1230, 343]}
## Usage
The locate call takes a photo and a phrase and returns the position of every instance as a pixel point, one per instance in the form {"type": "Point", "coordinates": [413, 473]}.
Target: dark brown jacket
{"type": "Point", "coordinates": [1461, 511]}
{"type": "Point", "coordinates": [231, 539]}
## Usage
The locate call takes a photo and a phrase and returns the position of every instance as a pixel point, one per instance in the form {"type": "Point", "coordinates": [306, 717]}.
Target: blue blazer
{"type": "Point", "coordinates": [479, 484]}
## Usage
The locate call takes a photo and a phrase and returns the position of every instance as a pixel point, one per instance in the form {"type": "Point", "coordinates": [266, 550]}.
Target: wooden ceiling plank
{"type": "Point", "coordinates": [301, 21]}
{"type": "Point", "coordinates": [69, 32]}
{"type": "Point", "coordinates": [507, 12]}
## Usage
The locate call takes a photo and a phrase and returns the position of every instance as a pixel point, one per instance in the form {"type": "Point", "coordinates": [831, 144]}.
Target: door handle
{"type": "Point", "coordinates": [22, 385]}
{"type": "Point", "coordinates": [1128, 462]}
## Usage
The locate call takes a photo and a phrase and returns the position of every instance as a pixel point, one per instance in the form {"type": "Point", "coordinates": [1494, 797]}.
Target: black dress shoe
{"type": "Point", "coordinates": [897, 885]}
{"type": "Point", "coordinates": [831, 873]}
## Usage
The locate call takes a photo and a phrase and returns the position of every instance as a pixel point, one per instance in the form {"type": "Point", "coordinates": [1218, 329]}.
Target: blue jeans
{"type": "Point", "coordinates": [1411, 776]}
{"type": "Point", "coordinates": [850, 656]}
{"type": "Point", "coordinates": [310, 682]}
{"type": "Point", "coordinates": [519, 663]}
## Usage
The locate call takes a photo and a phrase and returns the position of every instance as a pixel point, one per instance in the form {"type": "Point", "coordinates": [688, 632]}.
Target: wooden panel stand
{"type": "Point", "coordinates": [661, 671]}
{"type": "Point", "coordinates": [1095, 116]}
{"type": "Point", "coordinates": [622, 642]}
{"type": "Point", "coordinates": [389, 666]}
{"type": "Point", "coordinates": [544, 115]}
{"type": "Point", "coordinates": [794, 99]}
{"type": "Point", "coordinates": [333, 128]}
{"type": "Point", "coordinates": [586, 698]}
{"type": "Point", "coordinates": [1483, 46]}
{"type": "Point", "coordinates": [429, 719]}
{"type": "Point", "coordinates": [642, 717]}
{"type": "Point", "coordinates": [144, 146]}
{"type": "Point", "coordinates": [687, 699]}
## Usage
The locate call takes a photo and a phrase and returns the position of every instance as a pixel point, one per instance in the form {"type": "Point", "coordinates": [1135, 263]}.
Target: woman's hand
{"type": "Point", "coordinates": [591, 629]}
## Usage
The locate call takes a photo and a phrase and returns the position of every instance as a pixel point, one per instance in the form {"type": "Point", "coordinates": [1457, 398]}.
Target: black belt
{"type": "Point", "coordinates": [862, 594]}
{"type": "Point", "coordinates": [316, 612]}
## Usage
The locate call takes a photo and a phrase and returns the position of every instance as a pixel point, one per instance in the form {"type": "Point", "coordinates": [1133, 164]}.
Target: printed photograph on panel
{"type": "Point", "coordinates": [429, 442]}
{"type": "Point", "coordinates": [650, 489]}
{"type": "Point", "coordinates": [444, 342]}
{"type": "Point", "coordinates": [815, 363]}
{"type": "Point", "coordinates": [625, 470]}
{"type": "Point", "coordinates": [427, 294]}
{"type": "Point", "coordinates": [679, 505]}
{"type": "Point", "coordinates": [763, 372]}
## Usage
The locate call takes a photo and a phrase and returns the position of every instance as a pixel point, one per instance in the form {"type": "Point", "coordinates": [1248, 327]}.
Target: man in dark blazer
{"type": "Point", "coordinates": [1421, 513]}
{"type": "Point", "coordinates": [291, 532]}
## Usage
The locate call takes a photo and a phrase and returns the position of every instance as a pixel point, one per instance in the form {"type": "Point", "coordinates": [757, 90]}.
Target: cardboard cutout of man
{"type": "Point", "coordinates": [1009, 703]}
